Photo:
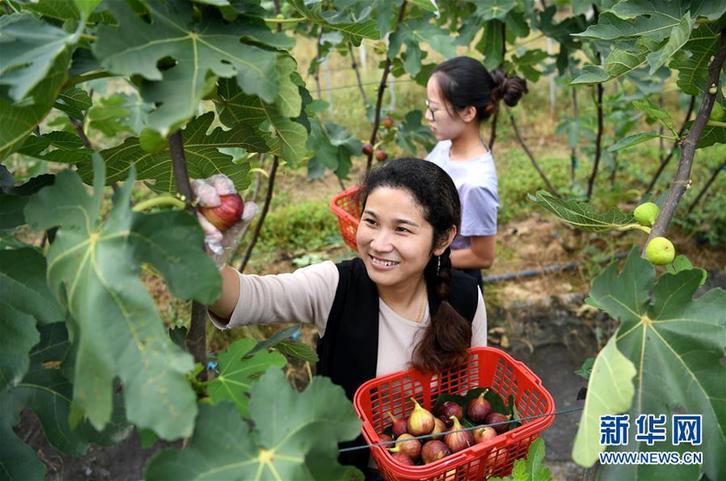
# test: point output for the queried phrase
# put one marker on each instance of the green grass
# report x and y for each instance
(517, 178)
(294, 227)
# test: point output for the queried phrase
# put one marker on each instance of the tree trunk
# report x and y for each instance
(683, 175)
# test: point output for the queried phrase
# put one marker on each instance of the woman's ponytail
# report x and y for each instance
(506, 88)
(448, 336)
(464, 82)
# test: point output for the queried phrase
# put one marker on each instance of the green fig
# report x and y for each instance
(660, 251)
(646, 213)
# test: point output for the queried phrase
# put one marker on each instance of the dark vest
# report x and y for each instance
(348, 352)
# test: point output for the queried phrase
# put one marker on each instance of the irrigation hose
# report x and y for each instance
(552, 268)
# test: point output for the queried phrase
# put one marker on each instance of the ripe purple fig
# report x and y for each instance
(402, 459)
(226, 214)
(381, 155)
(458, 439)
(448, 409)
(432, 451)
(439, 427)
(499, 421)
(398, 426)
(478, 409)
(420, 421)
(407, 445)
(367, 149)
(386, 440)
(484, 434)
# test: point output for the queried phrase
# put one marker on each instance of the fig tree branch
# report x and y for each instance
(382, 88)
(179, 166)
(706, 187)
(258, 179)
(573, 151)
(9, 7)
(661, 145)
(667, 159)
(280, 21)
(354, 65)
(78, 127)
(683, 174)
(86, 77)
(495, 118)
(598, 140)
(196, 340)
(598, 104)
(316, 73)
(159, 201)
(263, 214)
(536, 166)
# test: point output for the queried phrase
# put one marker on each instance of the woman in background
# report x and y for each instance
(461, 95)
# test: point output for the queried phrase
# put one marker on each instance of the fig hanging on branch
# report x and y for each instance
(227, 213)
(646, 213)
(218, 201)
(660, 251)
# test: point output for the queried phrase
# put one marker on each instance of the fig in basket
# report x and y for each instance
(478, 408)
(398, 425)
(432, 451)
(407, 445)
(421, 421)
(448, 409)
(402, 459)
(386, 440)
(458, 439)
(439, 427)
(499, 421)
(484, 434)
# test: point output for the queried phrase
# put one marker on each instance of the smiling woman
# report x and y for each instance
(398, 304)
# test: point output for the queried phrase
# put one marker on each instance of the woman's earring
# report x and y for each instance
(438, 264)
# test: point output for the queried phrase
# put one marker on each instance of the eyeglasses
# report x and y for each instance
(433, 112)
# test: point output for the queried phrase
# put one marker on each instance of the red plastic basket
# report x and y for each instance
(347, 208)
(487, 367)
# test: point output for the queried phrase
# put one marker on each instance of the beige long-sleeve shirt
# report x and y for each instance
(307, 295)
